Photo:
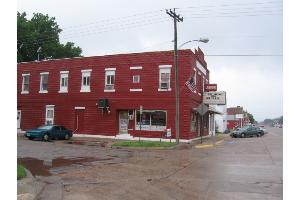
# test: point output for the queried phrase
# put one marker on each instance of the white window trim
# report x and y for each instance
(110, 69)
(86, 70)
(105, 84)
(133, 78)
(63, 89)
(43, 91)
(79, 108)
(136, 90)
(110, 90)
(23, 75)
(85, 88)
(136, 67)
(164, 90)
(165, 66)
(200, 67)
(48, 107)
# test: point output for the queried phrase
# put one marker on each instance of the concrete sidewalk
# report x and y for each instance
(29, 187)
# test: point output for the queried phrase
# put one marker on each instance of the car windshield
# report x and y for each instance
(245, 128)
(45, 127)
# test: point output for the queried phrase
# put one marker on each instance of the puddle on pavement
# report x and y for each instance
(41, 167)
(88, 143)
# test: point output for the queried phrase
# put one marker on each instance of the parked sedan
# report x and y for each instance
(247, 132)
(49, 132)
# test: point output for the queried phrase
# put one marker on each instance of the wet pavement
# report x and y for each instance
(239, 168)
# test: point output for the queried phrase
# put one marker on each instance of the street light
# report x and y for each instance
(204, 40)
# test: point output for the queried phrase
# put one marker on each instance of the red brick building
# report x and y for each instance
(102, 95)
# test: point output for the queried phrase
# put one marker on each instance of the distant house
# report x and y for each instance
(236, 117)
(102, 95)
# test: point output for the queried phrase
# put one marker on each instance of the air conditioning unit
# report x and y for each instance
(103, 103)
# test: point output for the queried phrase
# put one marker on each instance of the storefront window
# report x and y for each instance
(151, 120)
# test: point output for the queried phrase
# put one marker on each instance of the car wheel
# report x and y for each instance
(30, 138)
(67, 137)
(46, 137)
(258, 135)
(243, 135)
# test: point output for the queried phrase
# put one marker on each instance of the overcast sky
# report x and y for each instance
(234, 27)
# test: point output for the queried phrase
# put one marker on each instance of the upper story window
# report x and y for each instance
(86, 80)
(110, 74)
(136, 78)
(203, 84)
(25, 83)
(64, 76)
(164, 78)
(44, 82)
(195, 77)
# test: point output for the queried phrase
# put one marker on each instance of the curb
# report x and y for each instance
(200, 146)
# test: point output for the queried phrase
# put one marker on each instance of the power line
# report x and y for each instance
(122, 19)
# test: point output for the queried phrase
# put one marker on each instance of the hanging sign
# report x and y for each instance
(210, 87)
(214, 98)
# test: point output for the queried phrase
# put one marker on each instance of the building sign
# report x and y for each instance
(239, 116)
(214, 98)
(210, 87)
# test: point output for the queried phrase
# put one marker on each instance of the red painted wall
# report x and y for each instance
(33, 108)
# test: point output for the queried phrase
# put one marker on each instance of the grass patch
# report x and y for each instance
(21, 173)
(143, 144)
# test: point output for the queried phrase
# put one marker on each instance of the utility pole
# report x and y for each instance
(176, 18)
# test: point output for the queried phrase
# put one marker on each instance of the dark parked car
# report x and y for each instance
(48, 132)
(247, 132)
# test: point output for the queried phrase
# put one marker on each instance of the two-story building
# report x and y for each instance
(102, 95)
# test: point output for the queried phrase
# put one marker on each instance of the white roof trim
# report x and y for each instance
(110, 69)
(137, 67)
(164, 66)
(79, 108)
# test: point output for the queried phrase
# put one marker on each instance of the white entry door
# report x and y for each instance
(123, 122)
(19, 119)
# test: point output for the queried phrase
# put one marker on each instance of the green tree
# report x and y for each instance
(41, 32)
(251, 118)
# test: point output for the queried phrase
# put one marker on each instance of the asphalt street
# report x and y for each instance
(237, 168)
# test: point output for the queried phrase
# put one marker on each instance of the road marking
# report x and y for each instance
(219, 142)
(200, 146)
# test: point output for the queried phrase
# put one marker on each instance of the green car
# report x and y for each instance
(49, 132)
